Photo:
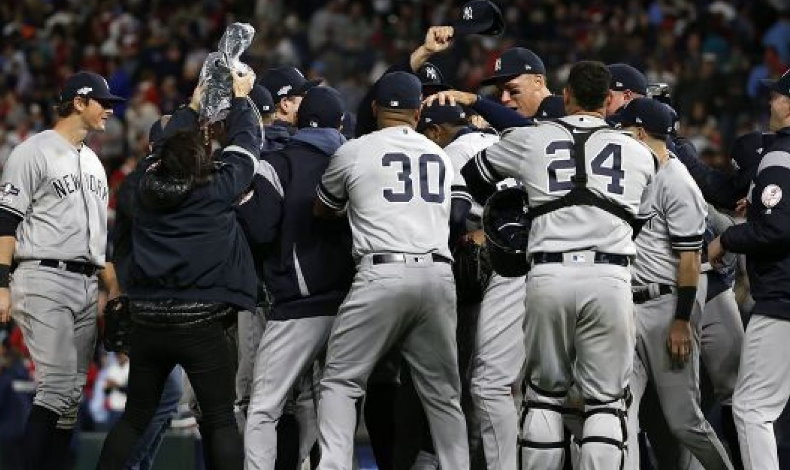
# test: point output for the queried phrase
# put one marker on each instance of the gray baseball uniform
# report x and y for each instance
(675, 223)
(498, 355)
(579, 323)
(395, 184)
(61, 194)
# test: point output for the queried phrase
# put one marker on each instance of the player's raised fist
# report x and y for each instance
(438, 38)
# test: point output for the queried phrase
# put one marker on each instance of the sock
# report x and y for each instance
(38, 438)
(731, 436)
(60, 457)
(287, 443)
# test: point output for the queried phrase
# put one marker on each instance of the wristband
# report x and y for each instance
(5, 275)
(686, 297)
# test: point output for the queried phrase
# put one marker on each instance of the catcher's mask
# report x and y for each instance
(506, 226)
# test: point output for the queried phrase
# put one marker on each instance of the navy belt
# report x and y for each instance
(383, 258)
(599, 258)
(642, 294)
(71, 266)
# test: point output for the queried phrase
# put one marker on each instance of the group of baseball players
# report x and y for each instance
(595, 338)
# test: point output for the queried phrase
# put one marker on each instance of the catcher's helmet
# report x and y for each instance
(506, 226)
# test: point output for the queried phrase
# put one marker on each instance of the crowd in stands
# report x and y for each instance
(712, 53)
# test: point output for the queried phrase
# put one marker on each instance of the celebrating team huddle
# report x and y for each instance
(549, 334)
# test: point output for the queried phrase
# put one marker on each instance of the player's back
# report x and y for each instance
(618, 169)
(399, 193)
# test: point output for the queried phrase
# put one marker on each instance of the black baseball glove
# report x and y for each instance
(472, 270)
(117, 325)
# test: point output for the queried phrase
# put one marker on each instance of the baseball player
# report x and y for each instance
(395, 185)
(666, 274)
(307, 267)
(628, 83)
(763, 385)
(584, 197)
(521, 76)
(498, 352)
(287, 85)
(53, 224)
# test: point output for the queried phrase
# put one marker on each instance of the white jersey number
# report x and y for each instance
(405, 192)
(614, 172)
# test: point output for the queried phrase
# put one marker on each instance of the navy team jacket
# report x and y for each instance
(765, 237)
(305, 262)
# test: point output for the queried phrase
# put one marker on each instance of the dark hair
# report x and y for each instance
(589, 83)
(65, 108)
(183, 155)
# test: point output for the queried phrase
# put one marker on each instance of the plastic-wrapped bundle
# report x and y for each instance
(215, 75)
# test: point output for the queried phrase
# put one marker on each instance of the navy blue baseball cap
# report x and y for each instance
(89, 85)
(781, 86)
(626, 77)
(286, 81)
(441, 114)
(399, 90)
(262, 98)
(552, 107)
(322, 106)
(431, 78)
(651, 115)
(514, 62)
(480, 17)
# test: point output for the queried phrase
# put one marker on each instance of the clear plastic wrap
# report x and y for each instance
(215, 74)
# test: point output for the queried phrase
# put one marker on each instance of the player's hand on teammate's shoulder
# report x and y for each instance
(478, 237)
(679, 342)
(5, 305)
(197, 95)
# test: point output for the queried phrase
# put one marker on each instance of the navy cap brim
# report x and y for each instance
(463, 28)
(109, 97)
(304, 88)
(495, 79)
(773, 85)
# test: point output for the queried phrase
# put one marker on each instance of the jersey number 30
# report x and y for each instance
(404, 177)
(614, 172)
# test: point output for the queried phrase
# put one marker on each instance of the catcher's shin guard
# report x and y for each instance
(541, 444)
(605, 434)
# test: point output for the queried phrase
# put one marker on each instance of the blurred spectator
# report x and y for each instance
(108, 399)
(14, 403)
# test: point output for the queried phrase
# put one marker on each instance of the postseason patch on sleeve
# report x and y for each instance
(7, 191)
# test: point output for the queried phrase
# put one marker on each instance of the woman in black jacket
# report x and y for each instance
(191, 271)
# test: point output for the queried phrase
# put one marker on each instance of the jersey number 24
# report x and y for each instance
(598, 166)
(406, 192)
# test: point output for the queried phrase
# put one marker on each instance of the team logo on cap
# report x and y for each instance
(527, 67)
(430, 72)
(284, 90)
(84, 90)
(467, 14)
(313, 124)
(771, 196)
(394, 104)
(618, 84)
(498, 65)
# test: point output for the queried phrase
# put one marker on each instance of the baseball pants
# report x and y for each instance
(250, 329)
(56, 310)
(677, 388)
(762, 390)
(721, 340)
(411, 305)
(286, 354)
(579, 327)
(496, 363)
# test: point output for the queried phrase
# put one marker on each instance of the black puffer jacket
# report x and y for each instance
(186, 242)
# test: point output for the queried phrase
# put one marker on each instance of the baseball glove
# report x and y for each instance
(472, 270)
(117, 325)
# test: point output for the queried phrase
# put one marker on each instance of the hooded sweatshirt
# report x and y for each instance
(305, 262)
